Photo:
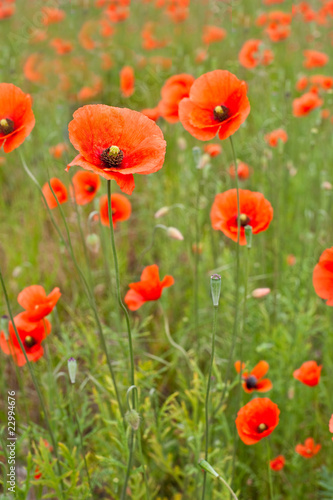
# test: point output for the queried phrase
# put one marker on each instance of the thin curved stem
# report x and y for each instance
(207, 398)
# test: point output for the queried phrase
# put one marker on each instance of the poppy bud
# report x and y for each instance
(248, 236)
(174, 233)
(93, 242)
(133, 419)
(208, 468)
(182, 144)
(161, 212)
(72, 366)
(215, 287)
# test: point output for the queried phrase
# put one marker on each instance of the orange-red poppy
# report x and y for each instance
(306, 103)
(243, 171)
(152, 113)
(6, 10)
(149, 288)
(252, 54)
(277, 31)
(16, 116)
(213, 34)
(255, 211)
(309, 449)
(173, 91)
(253, 380)
(31, 335)
(120, 206)
(330, 425)
(213, 149)
(277, 463)
(52, 15)
(322, 277)
(59, 190)
(217, 104)
(257, 419)
(314, 59)
(116, 143)
(308, 373)
(127, 81)
(275, 136)
(61, 46)
(86, 185)
(58, 150)
(36, 303)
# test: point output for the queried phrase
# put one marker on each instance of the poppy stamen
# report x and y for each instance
(6, 126)
(244, 220)
(251, 382)
(221, 113)
(112, 157)
(90, 189)
(262, 428)
(29, 341)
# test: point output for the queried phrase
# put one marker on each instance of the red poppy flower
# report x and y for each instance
(58, 150)
(173, 91)
(257, 419)
(116, 143)
(149, 288)
(254, 380)
(213, 34)
(61, 46)
(86, 185)
(308, 373)
(275, 136)
(127, 81)
(120, 206)
(306, 103)
(243, 171)
(255, 211)
(213, 150)
(60, 191)
(16, 117)
(330, 425)
(322, 277)
(217, 104)
(309, 449)
(252, 54)
(31, 335)
(152, 113)
(277, 463)
(314, 59)
(36, 303)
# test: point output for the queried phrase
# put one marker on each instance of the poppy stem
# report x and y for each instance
(235, 327)
(130, 342)
(89, 293)
(207, 398)
(269, 471)
(35, 382)
(81, 439)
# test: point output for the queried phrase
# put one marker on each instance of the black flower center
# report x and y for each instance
(112, 157)
(6, 126)
(244, 220)
(221, 113)
(251, 382)
(90, 189)
(29, 341)
(262, 428)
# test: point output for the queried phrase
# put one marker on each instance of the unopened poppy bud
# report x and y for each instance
(72, 366)
(248, 236)
(133, 419)
(93, 242)
(197, 156)
(182, 144)
(208, 468)
(204, 161)
(215, 287)
(161, 212)
(326, 185)
(174, 233)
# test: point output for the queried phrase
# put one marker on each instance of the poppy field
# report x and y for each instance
(183, 351)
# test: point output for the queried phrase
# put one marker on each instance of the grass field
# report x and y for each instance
(156, 390)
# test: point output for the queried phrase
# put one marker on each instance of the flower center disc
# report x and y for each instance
(29, 341)
(112, 157)
(244, 220)
(262, 428)
(251, 382)
(221, 113)
(6, 126)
